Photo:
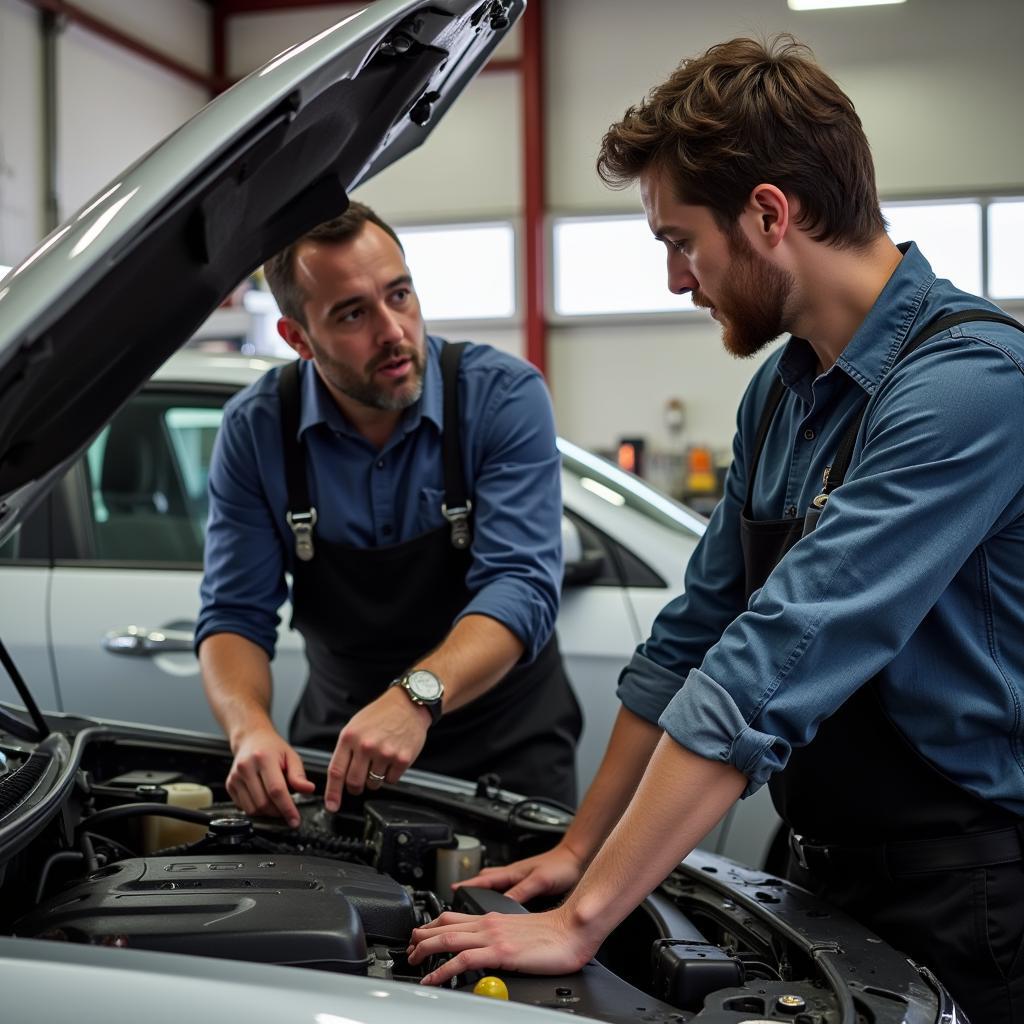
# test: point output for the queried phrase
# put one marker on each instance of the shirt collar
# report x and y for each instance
(872, 350)
(319, 407)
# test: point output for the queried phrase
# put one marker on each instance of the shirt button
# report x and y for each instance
(387, 531)
(808, 434)
(791, 511)
(380, 463)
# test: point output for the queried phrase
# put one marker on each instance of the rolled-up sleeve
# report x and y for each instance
(243, 581)
(713, 595)
(516, 570)
(938, 473)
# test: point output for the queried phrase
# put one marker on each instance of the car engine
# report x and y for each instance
(316, 896)
(102, 850)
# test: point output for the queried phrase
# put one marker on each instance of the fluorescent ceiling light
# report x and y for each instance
(821, 5)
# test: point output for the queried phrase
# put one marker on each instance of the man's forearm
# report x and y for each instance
(236, 677)
(630, 746)
(477, 653)
(680, 799)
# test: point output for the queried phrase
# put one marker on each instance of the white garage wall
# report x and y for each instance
(937, 86)
(615, 381)
(112, 107)
(21, 145)
(179, 28)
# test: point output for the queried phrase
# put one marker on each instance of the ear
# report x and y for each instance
(294, 335)
(770, 213)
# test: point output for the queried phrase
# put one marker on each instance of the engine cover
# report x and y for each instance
(267, 908)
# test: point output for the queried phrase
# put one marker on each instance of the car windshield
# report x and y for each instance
(616, 486)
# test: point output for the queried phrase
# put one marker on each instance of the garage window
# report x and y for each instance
(949, 234)
(608, 266)
(1006, 265)
(463, 271)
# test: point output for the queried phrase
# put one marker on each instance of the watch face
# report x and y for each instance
(425, 685)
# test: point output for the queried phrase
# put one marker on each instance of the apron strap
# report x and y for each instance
(301, 515)
(836, 473)
(778, 389)
(457, 505)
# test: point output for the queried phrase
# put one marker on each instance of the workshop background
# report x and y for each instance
(511, 236)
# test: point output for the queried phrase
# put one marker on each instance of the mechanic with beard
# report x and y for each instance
(411, 488)
(852, 628)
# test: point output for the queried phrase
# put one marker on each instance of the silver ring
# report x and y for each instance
(371, 774)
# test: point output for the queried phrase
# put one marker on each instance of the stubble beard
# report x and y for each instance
(752, 307)
(361, 386)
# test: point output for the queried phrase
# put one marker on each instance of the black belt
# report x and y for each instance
(913, 857)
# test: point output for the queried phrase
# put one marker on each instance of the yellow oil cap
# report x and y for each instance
(493, 988)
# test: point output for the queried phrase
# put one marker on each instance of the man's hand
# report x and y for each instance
(384, 738)
(682, 796)
(265, 771)
(547, 874)
(532, 943)
(236, 675)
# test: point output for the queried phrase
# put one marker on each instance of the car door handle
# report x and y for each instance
(145, 643)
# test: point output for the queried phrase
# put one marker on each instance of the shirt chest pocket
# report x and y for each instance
(429, 515)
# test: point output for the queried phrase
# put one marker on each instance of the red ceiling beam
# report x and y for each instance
(534, 198)
(503, 64)
(75, 15)
(229, 7)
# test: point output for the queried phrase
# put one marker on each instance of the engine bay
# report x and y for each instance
(128, 841)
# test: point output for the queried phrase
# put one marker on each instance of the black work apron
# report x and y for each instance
(368, 614)
(879, 830)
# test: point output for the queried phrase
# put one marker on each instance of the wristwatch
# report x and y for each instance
(424, 688)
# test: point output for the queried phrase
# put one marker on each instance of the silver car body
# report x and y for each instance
(114, 638)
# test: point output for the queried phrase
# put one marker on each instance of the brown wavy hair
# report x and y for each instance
(747, 112)
(279, 270)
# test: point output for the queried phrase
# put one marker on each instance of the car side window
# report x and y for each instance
(594, 559)
(29, 542)
(147, 474)
(9, 548)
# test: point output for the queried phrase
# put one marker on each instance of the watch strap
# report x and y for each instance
(433, 706)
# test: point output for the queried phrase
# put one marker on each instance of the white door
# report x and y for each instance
(24, 629)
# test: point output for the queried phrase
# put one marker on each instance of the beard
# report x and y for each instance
(363, 387)
(752, 304)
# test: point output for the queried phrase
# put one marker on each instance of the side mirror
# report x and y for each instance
(581, 566)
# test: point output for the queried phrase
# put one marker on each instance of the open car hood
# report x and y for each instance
(103, 301)
(104, 902)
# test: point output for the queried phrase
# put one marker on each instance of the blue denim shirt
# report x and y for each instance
(369, 498)
(915, 570)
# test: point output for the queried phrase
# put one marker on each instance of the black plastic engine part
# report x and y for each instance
(469, 899)
(593, 991)
(299, 911)
(789, 1002)
(684, 973)
(403, 837)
